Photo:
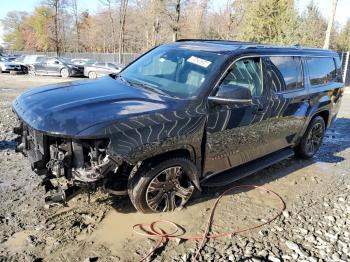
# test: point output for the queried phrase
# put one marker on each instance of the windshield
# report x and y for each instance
(175, 71)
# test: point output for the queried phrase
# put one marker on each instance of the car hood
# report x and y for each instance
(70, 108)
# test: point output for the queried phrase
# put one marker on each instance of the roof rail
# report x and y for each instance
(297, 46)
(214, 40)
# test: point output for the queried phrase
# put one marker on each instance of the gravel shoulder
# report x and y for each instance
(314, 227)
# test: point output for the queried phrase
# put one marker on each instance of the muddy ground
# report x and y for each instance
(314, 227)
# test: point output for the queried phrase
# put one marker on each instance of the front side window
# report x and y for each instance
(290, 68)
(246, 73)
(174, 70)
(321, 70)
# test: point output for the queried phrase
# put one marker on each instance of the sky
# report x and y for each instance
(342, 14)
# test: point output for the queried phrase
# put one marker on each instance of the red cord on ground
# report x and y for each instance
(154, 230)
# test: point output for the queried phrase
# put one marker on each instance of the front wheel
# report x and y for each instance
(162, 187)
(65, 73)
(312, 139)
(92, 75)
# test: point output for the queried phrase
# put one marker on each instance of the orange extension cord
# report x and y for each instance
(154, 230)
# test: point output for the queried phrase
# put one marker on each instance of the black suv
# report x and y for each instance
(178, 118)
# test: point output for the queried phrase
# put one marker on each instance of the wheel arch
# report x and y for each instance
(186, 151)
(324, 114)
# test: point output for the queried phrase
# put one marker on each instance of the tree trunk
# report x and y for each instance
(177, 20)
(330, 24)
(77, 31)
(56, 5)
(122, 14)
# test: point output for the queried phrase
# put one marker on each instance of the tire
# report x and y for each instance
(163, 186)
(312, 138)
(24, 70)
(92, 75)
(64, 73)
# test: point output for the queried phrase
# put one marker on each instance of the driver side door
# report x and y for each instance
(237, 129)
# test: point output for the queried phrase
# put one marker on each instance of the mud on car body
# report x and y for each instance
(178, 116)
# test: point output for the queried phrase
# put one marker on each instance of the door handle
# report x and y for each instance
(305, 100)
(258, 110)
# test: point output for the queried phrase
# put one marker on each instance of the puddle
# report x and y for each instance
(235, 211)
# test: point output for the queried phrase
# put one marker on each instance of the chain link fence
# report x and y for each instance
(125, 58)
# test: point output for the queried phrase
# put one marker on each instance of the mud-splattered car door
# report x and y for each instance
(237, 130)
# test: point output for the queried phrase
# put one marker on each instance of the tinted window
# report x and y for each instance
(321, 70)
(290, 68)
(246, 73)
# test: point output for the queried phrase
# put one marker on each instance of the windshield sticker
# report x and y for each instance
(199, 61)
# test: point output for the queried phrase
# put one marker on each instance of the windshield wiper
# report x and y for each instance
(123, 79)
(148, 86)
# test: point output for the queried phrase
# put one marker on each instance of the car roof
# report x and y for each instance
(229, 46)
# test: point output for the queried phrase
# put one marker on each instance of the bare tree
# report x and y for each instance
(57, 7)
(74, 4)
(122, 18)
(109, 5)
(176, 20)
(330, 24)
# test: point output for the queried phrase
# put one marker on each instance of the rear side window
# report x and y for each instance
(321, 70)
(291, 70)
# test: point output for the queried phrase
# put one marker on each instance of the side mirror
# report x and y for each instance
(234, 92)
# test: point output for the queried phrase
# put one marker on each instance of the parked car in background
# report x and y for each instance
(20, 60)
(56, 66)
(7, 66)
(100, 69)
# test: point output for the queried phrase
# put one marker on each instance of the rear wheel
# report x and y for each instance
(92, 75)
(65, 73)
(162, 187)
(312, 139)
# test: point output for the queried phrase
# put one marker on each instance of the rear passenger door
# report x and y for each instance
(290, 101)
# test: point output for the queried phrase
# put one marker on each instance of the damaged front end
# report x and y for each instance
(69, 165)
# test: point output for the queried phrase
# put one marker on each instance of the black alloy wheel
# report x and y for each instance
(312, 139)
(162, 187)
